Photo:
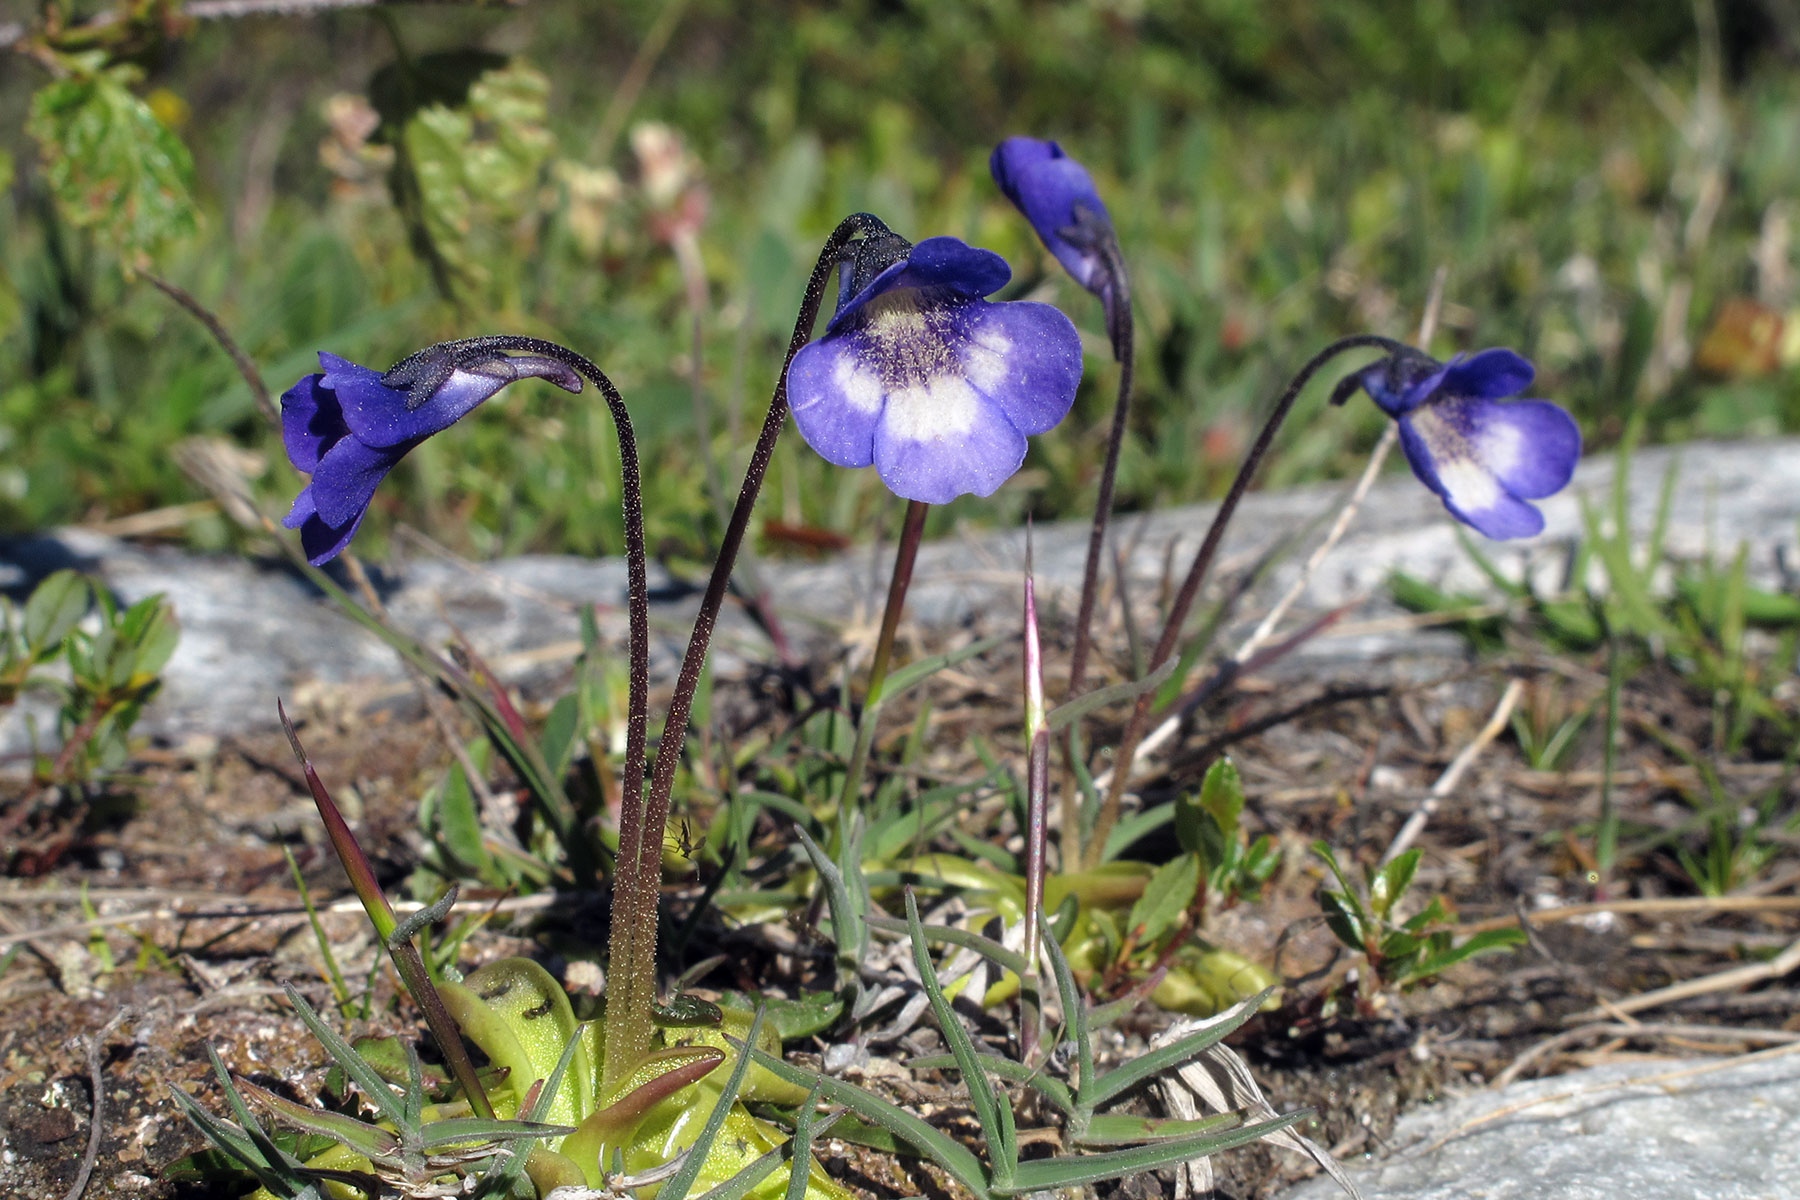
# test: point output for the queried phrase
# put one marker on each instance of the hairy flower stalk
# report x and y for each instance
(631, 961)
(1196, 576)
(905, 553)
(1058, 197)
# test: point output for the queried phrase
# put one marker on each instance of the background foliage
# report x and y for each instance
(1610, 188)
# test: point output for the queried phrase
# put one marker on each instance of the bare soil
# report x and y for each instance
(184, 864)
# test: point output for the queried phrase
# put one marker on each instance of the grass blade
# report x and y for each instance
(1075, 1026)
(1174, 1054)
(1073, 710)
(682, 1181)
(993, 1113)
(804, 1130)
(1053, 1090)
(1074, 1170)
(916, 673)
(932, 1143)
(342, 1053)
(987, 947)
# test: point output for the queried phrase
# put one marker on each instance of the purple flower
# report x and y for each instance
(347, 429)
(1483, 455)
(1058, 197)
(935, 386)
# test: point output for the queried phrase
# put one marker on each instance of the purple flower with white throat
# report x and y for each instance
(1485, 456)
(921, 377)
(1058, 197)
(348, 425)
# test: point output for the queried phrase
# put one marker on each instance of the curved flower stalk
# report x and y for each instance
(920, 377)
(1483, 455)
(348, 426)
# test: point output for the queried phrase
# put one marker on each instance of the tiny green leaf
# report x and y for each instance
(559, 740)
(1166, 897)
(1390, 883)
(1479, 943)
(55, 606)
(1222, 796)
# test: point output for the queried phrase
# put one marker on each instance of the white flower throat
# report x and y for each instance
(921, 358)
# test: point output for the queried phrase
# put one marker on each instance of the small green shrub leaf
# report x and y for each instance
(114, 168)
(55, 606)
(1166, 897)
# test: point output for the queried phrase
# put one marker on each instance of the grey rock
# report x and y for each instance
(255, 630)
(1637, 1131)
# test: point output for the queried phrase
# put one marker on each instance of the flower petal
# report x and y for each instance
(1531, 446)
(377, 415)
(1053, 191)
(311, 422)
(1016, 155)
(1488, 375)
(1024, 357)
(303, 511)
(320, 541)
(939, 439)
(936, 262)
(1447, 454)
(347, 477)
(836, 398)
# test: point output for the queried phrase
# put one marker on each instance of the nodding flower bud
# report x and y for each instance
(348, 425)
(1058, 197)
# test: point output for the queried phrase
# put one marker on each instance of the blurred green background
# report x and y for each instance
(1611, 189)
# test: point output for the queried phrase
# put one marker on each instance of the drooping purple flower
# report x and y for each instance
(1485, 456)
(936, 387)
(347, 429)
(1058, 197)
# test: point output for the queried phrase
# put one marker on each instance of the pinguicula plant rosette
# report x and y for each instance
(920, 374)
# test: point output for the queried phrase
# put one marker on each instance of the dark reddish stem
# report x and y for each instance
(1196, 576)
(912, 532)
(1090, 575)
(632, 955)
